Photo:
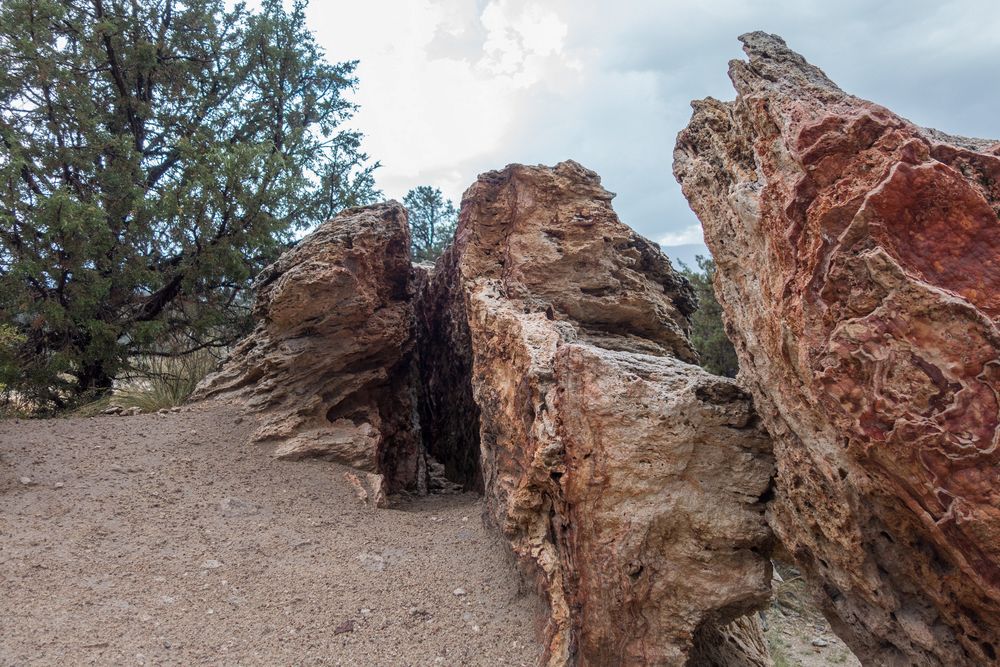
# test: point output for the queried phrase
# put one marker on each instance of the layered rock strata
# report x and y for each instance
(329, 367)
(628, 482)
(858, 265)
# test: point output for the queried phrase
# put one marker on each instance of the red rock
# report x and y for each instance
(627, 481)
(859, 268)
(329, 365)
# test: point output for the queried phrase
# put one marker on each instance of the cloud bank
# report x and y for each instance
(451, 88)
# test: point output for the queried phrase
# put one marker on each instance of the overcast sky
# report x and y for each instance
(452, 88)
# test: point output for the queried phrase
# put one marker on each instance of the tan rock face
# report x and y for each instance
(627, 481)
(329, 366)
(859, 269)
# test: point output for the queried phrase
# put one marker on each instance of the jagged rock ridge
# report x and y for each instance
(329, 366)
(859, 268)
(627, 481)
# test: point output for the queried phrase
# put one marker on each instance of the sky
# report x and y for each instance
(452, 88)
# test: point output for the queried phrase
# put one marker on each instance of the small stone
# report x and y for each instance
(819, 641)
(234, 506)
(371, 561)
(238, 420)
(26, 481)
(346, 626)
(211, 564)
(59, 485)
(458, 592)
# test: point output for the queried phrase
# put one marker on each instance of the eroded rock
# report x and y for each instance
(859, 268)
(329, 366)
(627, 481)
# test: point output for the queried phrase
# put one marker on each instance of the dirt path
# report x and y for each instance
(163, 539)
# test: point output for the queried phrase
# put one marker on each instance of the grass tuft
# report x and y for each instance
(163, 382)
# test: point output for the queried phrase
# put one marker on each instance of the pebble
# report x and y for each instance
(59, 485)
(819, 641)
(211, 564)
(26, 481)
(234, 506)
(458, 592)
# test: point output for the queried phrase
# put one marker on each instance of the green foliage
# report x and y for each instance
(708, 332)
(432, 222)
(154, 156)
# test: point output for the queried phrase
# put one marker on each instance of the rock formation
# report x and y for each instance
(628, 482)
(329, 365)
(859, 268)
(544, 360)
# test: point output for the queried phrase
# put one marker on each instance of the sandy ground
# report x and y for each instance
(164, 539)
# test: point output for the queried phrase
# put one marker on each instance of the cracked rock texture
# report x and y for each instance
(859, 268)
(629, 483)
(329, 365)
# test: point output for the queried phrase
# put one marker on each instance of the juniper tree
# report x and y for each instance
(432, 222)
(708, 331)
(154, 155)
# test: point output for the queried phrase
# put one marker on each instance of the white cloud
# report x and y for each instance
(687, 236)
(451, 88)
(427, 112)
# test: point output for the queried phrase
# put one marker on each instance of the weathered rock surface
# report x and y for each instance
(859, 268)
(628, 482)
(329, 366)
